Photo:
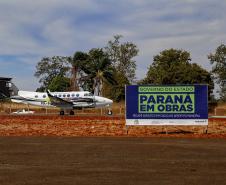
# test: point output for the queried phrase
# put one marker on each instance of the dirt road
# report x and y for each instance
(61, 160)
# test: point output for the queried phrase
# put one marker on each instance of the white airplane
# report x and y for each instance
(65, 100)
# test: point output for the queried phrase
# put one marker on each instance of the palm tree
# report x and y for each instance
(100, 70)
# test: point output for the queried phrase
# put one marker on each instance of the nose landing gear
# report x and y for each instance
(71, 112)
(109, 112)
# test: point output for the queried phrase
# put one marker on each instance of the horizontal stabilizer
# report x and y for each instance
(2, 96)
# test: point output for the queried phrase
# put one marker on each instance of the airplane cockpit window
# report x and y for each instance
(68, 95)
(44, 96)
(36, 96)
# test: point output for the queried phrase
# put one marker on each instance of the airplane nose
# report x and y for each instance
(106, 101)
(109, 101)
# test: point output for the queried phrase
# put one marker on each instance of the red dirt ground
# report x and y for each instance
(37, 125)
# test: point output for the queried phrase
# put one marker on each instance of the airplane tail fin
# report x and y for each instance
(48, 91)
(13, 90)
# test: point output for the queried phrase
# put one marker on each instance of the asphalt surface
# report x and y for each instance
(104, 160)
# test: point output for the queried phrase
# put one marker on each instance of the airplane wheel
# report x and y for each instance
(62, 112)
(72, 112)
(110, 112)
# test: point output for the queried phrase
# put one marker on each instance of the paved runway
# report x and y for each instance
(104, 160)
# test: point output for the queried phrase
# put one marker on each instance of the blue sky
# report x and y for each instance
(30, 30)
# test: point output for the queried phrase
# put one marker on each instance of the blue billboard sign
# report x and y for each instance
(167, 105)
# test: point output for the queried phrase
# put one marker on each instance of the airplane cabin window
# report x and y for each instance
(68, 95)
(64, 95)
(88, 94)
(77, 95)
(59, 95)
(44, 96)
(36, 96)
(73, 95)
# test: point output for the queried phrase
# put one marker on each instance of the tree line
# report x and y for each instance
(105, 71)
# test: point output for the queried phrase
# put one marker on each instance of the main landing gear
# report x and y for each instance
(61, 112)
(71, 112)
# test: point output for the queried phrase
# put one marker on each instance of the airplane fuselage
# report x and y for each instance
(67, 100)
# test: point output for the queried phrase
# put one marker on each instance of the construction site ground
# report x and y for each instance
(96, 125)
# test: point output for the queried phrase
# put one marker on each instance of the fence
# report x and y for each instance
(8, 108)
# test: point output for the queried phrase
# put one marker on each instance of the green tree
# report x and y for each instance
(122, 56)
(79, 64)
(173, 67)
(116, 91)
(49, 68)
(168, 67)
(218, 60)
(59, 84)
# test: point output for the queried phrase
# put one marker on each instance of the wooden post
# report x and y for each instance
(4, 107)
(1, 107)
(127, 130)
(10, 108)
(166, 130)
(206, 129)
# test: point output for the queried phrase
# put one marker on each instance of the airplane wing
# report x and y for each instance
(79, 100)
(59, 102)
